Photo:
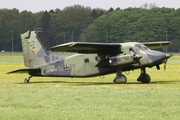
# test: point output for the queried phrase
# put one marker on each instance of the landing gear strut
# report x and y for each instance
(120, 78)
(143, 77)
(26, 80)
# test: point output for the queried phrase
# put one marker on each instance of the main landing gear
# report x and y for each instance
(143, 77)
(121, 79)
(26, 80)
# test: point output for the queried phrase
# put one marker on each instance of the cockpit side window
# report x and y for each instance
(142, 47)
(132, 52)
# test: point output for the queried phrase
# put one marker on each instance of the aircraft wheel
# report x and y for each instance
(26, 80)
(120, 79)
(145, 78)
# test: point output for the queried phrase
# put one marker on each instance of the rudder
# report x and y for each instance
(34, 52)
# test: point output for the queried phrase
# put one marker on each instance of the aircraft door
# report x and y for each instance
(90, 62)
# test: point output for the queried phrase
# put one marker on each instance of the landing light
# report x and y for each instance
(110, 61)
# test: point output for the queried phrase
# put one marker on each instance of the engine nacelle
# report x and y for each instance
(121, 60)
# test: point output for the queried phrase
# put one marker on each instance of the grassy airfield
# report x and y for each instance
(89, 98)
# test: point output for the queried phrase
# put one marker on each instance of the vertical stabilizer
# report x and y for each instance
(34, 52)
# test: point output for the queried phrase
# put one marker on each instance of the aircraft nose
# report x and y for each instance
(158, 57)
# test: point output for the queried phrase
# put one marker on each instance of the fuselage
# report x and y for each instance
(85, 65)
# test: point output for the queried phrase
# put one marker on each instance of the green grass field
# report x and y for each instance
(89, 98)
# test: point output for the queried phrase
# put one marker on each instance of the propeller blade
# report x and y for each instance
(164, 66)
(165, 61)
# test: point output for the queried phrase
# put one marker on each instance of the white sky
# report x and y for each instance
(42, 5)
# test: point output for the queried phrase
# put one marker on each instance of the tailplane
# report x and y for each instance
(34, 52)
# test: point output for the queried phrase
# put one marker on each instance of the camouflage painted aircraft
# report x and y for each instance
(91, 59)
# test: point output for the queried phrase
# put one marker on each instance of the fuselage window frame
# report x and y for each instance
(86, 60)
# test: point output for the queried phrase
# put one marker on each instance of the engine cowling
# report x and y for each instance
(120, 60)
(123, 60)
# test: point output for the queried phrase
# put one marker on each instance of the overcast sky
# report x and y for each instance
(42, 5)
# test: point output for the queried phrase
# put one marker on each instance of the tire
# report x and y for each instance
(120, 79)
(145, 78)
(26, 80)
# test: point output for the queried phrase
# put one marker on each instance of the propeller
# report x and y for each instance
(165, 61)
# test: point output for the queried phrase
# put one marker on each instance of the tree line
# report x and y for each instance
(79, 23)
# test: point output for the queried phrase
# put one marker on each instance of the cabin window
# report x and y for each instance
(97, 58)
(141, 47)
(86, 60)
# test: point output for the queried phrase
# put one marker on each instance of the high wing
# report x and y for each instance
(88, 47)
(155, 45)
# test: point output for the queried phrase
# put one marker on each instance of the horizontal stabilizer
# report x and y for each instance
(25, 70)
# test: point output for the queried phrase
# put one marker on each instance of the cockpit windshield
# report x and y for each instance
(141, 47)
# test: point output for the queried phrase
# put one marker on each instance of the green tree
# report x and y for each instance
(72, 21)
(26, 21)
(89, 34)
(45, 25)
(8, 25)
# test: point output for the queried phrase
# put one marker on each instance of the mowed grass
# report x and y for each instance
(89, 98)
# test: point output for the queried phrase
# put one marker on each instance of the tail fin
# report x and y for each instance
(34, 52)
